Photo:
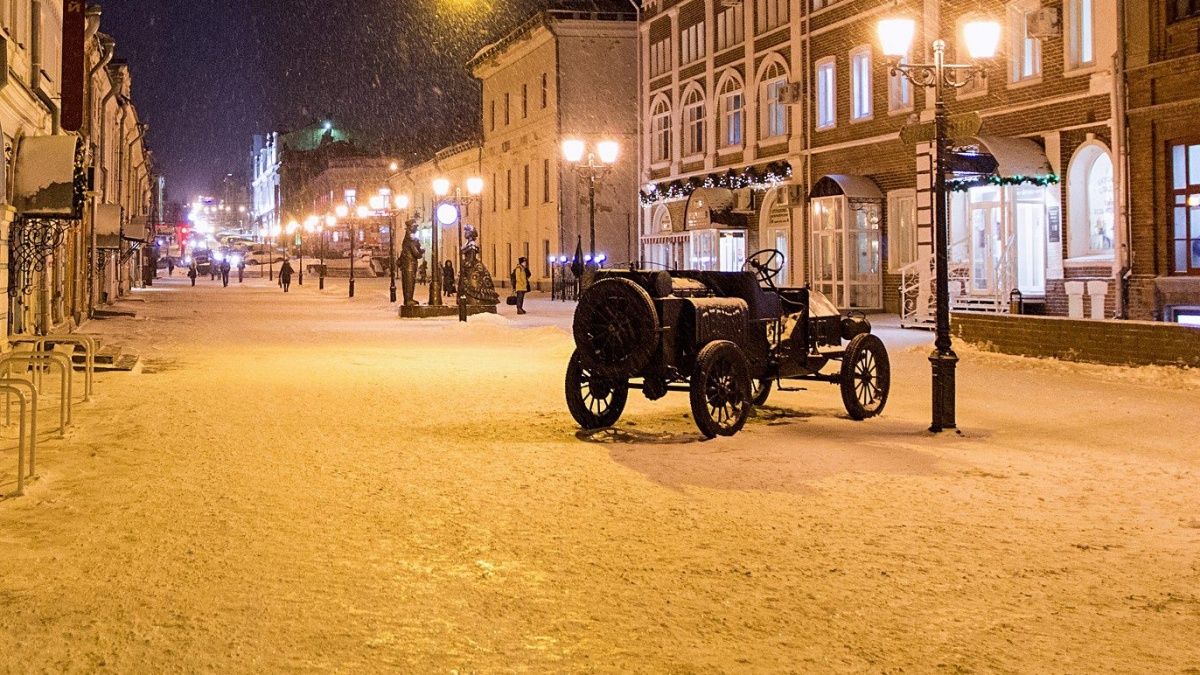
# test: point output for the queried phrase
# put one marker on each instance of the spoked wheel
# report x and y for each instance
(760, 390)
(866, 377)
(720, 389)
(595, 402)
(615, 327)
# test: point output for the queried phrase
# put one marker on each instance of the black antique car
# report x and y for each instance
(724, 337)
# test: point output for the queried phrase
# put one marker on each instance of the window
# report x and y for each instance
(901, 229)
(524, 101)
(769, 14)
(350, 196)
(731, 27)
(494, 192)
(693, 123)
(826, 93)
(546, 181)
(508, 189)
(732, 105)
(861, 103)
(1025, 52)
(900, 98)
(774, 113)
(545, 90)
(507, 119)
(1080, 42)
(492, 116)
(1185, 195)
(660, 57)
(525, 187)
(692, 43)
(662, 219)
(660, 131)
(1182, 9)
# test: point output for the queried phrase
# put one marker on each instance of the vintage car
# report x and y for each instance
(724, 337)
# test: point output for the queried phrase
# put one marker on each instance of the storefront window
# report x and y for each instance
(1185, 196)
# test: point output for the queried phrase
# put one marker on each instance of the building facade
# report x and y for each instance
(561, 74)
(1162, 60)
(777, 124)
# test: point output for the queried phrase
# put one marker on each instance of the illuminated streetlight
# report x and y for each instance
(981, 37)
(342, 210)
(402, 202)
(441, 186)
(475, 186)
(592, 171)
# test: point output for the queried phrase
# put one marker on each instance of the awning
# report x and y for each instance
(136, 229)
(851, 187)
(1016, 156)
(667, 238)
(107, 220)
(712, 206)
(44, 179)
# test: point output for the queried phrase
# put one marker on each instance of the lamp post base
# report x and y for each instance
(943, 365)
(321, 285)
(392, 292)
(352, 287)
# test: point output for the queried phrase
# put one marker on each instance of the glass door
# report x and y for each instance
(732, 251)
(865, 279)
(777, 238)
(1030, 241)
(986, 245)
(828, 232)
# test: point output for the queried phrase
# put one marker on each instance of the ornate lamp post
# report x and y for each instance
(593, 171)
(401, 206)
(449, 212)
(330, 223)
(982, 37)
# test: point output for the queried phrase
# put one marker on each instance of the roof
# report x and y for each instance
(569, 10)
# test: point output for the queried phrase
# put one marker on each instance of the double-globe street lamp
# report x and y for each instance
(981, 37)
(598, 164)
(449, 211)
(382, 206)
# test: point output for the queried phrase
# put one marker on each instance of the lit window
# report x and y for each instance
(774, 112)
(1185, 196)
(693, 123)
(350, 197)
(826, 93)
(732, 105)
(660, 130)
(1081, 45)
(1025, 52)
(899, 91)
(861, 103)
(692, 43)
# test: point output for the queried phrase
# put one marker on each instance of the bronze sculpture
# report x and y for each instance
(474, 279)
(411, 254)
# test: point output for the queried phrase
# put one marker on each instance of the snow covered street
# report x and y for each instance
(303, 482)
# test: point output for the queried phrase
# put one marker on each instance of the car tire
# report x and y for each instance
(866, 377)
(596, 402)
(616, 328)
(720, 389)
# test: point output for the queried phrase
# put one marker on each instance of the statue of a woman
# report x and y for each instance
(475, 280)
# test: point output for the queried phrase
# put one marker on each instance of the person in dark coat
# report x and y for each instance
(192, 273)
(170, 266)
(448, 279)
(241, 269)
(285, 275)
(225, 267)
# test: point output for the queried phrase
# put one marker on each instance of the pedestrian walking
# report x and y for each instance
(520, 277)
(212, 269)
(241, 269)
(192, 273)
(225, 272)
(448, 279)
(170, 266)
(285, 275)
(423, 272)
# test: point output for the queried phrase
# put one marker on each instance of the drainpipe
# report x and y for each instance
(36, 75)
(135, 185)
(1121, 132)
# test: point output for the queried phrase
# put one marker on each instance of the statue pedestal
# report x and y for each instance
(432, 311)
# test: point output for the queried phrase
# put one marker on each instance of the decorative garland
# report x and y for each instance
(750, 177)
(965, 184)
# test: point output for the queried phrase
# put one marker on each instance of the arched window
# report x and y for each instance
(693, 123)
(1092, 202)
(660, 131)
(662, 219)
(774, 114)
(732, 106)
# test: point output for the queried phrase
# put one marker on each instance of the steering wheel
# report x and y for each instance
(766, 265)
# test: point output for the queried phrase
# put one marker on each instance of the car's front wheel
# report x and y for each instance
(720, 389)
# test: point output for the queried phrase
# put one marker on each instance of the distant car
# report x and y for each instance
(260, 255)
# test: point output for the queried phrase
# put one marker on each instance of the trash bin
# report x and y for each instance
(1016, 302)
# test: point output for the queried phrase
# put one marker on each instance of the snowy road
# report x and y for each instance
(305, 483)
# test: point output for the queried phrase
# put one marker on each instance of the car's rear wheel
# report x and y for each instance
(720, 389)
(866, 377)
(595, 401)
(760, 390)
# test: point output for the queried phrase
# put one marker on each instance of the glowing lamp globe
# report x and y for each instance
(896, 36)
(982, 37)
(402, 201)
(330, 221)
(573, 150)
(342, 210)
(475, 186)
(363, 212)
(447, 214)
(608, 151)
(441, 186)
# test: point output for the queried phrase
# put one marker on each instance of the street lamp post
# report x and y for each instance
(981, 38)
(450, 211)
(401, 207)
(330, 223)
(592, 171)
(292, 228)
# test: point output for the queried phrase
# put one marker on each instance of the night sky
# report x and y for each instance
(208, 74)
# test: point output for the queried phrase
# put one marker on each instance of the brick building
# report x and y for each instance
(1162, 63)
(776, 124)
